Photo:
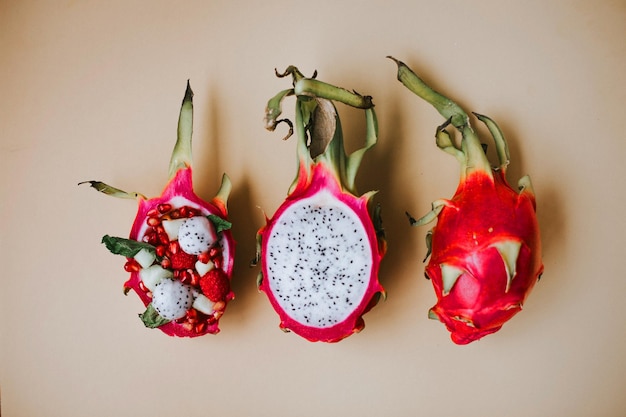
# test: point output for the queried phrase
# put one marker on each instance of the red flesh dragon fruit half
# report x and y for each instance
(320, 252)
(180, 249)
(485, 250)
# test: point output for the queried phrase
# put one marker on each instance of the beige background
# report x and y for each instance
(91, 90)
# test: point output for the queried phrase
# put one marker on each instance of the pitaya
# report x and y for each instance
(485, 250)
(175, 240)
(320, 252)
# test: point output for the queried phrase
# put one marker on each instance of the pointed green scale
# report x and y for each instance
(509, 251)
(449, 275)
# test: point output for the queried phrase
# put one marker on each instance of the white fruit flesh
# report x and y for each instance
(319, 260)
(145, 258)
(203, 268)
(152, 275)
(203, 304)
(171, 227)
(171, 299)
(196, 235)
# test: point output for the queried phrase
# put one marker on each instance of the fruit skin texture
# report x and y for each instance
(328, 171)
(178, 193)
(485, 250)
(482, 214)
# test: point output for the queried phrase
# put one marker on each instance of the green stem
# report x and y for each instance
(354, 160)
(318, 127)
(314, 88)
(181, 155)
(502, 149)
(446, 107)
(475, 158)
(224, 191)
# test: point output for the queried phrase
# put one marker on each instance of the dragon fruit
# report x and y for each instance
(175, 240)
(320, 252)
(485, 250)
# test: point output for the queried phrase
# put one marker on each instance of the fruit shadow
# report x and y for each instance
(244, 232)
(382, 170)
(551, 213)
(241, 211)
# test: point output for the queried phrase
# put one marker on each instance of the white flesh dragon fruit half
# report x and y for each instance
(319, 260)
(320, 252)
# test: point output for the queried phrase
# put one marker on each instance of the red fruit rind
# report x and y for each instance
(485, 212)
(485, 250)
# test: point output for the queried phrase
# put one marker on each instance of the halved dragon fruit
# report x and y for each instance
(485, 250)
(320, 252)
(175, 240)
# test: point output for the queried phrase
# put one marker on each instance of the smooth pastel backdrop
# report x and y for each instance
(91, 90)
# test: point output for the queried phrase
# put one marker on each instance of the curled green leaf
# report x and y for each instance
(125, 247)
(219, 223)
(151, 319)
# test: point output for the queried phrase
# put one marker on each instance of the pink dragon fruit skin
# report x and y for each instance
(478, 234)
(485, 250)
(324, 180)
(178, 196)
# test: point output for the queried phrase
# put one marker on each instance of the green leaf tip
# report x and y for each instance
(449, 276)
(219, 223)
(181, 154)
(509, 250)
(112, 191)
(188, 94)
(446, 107)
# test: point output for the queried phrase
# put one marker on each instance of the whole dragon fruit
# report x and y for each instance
(176, 243)
(485, 250)
(321, 250)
